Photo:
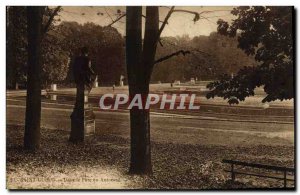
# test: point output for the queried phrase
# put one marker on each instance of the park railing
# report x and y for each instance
(284, 170)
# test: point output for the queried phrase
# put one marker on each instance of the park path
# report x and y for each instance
(172, 127)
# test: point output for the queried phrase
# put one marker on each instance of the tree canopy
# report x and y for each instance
(16, 45)
(105, 44)
(210, 56)
(54, 58)
(267, 34)
(60, 44)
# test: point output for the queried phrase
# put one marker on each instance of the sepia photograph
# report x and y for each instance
(150, 97)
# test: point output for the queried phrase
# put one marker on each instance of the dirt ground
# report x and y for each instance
(187, 148)
(103, 161)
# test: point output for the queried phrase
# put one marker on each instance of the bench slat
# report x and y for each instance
(259, 175)
(269, 167)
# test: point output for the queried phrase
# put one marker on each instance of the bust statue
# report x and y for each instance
(84, 78)
(82, 70)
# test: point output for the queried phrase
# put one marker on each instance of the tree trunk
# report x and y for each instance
(77, 116)
(150, 40)
(140, 142)
(140, 162)
(33, 99)
(139, 65)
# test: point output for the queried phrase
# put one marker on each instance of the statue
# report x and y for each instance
(121, 80)
(82, 114)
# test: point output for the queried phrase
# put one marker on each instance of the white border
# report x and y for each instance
(3, 3)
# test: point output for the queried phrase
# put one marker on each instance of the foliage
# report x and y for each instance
(106, 48)
(60, 44)
(54, 59)
(210, 57)
(16, 45)
(266, 34)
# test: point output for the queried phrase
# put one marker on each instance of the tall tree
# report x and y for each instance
(35, 32)
(139, 119)
(267, 34)
(140, 60)
(33, 99)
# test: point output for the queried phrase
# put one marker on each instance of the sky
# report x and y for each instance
(179, 23)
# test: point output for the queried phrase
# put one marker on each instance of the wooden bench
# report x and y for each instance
(284, 171)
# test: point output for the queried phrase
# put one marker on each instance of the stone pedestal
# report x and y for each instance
(121, 83)
(82, 118)
(53, 87)
(96, 82)
(89, 120)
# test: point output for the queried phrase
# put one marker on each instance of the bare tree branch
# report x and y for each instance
(51, 19)
(116, 20)
(183, 52)
(202, 52)
(190, 49)
(197, 15)
(165, 7)
(211, 11)
(172, 10)
(159, 20)
(159, 41)
(165, 21)
(219, 16)
(108, 14)
(186, 11)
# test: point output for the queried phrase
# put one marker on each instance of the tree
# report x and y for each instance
(267, 34)
(16, 46)
(36, 31)
(33, 99)
(210, 56)
(175, 67)
(224, 56)
(140, 60)
(106, 48)
(137, 62)
(55, 60)
(109, 61)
